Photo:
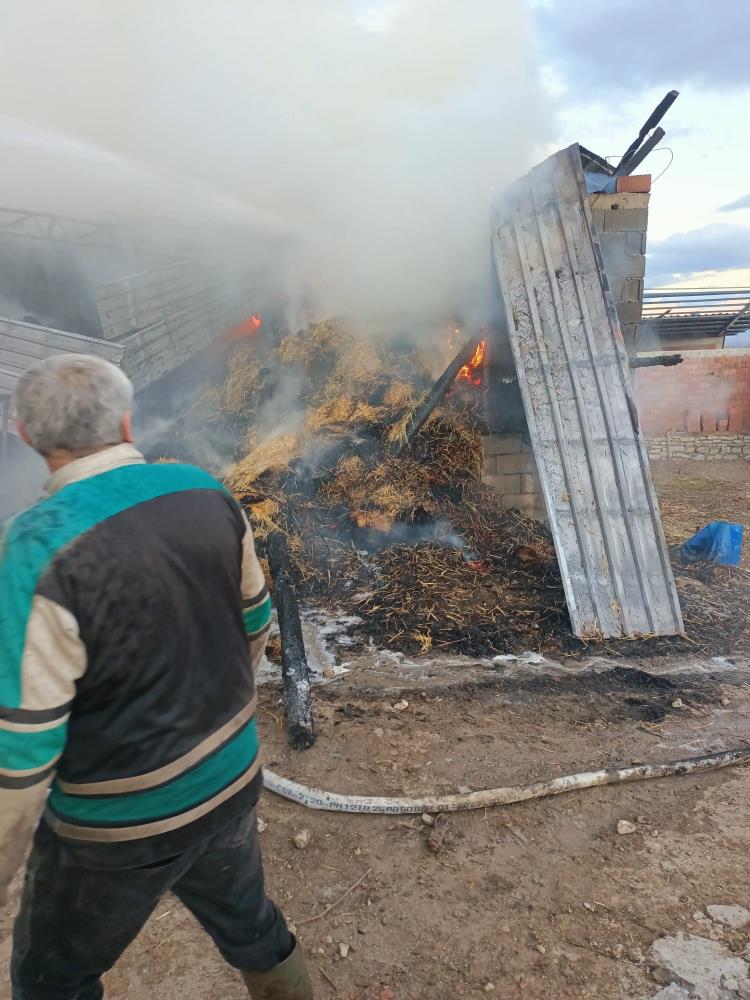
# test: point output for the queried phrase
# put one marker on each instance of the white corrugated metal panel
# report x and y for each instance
(148, 297)
(164, 317)
(24, 344)
(573, 373)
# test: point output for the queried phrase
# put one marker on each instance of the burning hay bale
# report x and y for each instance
(344, 412)
(408, 539)
(391, 490)
(454, 446)
(399, 396)
(244, 382)
(396, 434)
(392, 537)
(275, 453)
(317, 349)
(263, 514)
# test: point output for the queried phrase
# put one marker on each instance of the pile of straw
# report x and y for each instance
(416, 545)
(275, 453)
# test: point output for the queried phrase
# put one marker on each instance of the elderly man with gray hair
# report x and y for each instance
(133, 612)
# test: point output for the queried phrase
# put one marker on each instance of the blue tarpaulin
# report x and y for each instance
(719, 542)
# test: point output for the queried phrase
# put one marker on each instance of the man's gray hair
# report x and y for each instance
(73, 402)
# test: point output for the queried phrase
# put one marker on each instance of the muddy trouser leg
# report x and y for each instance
(224, 890)
(75, 921)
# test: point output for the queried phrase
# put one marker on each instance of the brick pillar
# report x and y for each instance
(510, 468)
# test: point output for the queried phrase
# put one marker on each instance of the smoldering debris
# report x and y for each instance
(413, 545)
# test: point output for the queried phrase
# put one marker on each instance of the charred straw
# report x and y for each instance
(414, 544)
(424, 411)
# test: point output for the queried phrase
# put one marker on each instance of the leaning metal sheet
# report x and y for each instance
(574, 378)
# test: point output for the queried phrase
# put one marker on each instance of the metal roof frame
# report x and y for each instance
(51, 228)
(695, 312)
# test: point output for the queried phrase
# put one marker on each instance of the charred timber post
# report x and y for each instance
(439, 389)
(295, 671)
(661, 359)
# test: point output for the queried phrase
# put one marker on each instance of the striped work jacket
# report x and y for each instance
(127, 598)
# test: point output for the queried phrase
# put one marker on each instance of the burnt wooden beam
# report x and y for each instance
(667, 360)
(435, 395)
(651, 122)
(640, 155)
(297, 696)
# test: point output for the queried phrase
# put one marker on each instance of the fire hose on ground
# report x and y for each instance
(315, 798)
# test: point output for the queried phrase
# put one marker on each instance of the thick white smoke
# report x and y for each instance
(375, 134)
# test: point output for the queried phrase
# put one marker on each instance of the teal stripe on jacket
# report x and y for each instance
(30, 751)
(36, 536)
(180, 795)
(257, 618)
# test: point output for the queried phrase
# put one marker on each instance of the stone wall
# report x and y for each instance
(715, 447)
(509, 467)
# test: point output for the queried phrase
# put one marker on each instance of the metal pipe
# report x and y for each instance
(651, 122)
(638, 157)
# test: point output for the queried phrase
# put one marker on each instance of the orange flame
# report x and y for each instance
(470, 372)
(244, 329)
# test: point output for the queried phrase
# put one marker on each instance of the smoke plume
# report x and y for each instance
(371, 136)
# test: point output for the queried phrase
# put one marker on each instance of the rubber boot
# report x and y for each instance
(288, 981)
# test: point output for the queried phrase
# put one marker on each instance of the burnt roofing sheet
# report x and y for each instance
(574, 377)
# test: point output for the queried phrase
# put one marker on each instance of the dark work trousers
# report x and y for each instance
(76, 920)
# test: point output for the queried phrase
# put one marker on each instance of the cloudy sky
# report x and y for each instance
(606, 65)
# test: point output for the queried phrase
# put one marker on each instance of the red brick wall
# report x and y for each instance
(709, 391)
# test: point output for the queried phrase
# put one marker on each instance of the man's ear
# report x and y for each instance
(126, 428)
(22, 433)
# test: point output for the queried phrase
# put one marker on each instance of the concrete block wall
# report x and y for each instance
(510, 467)
(621, 220)
(708, 393)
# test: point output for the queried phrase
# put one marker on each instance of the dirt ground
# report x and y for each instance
(537, 900)
(693, 493)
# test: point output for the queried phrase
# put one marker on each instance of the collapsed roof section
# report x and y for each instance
(573, 373)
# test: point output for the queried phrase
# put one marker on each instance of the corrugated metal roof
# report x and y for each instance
(24, 344)
(165, 316)
(574, 377)
(694, 312)
(592, 161)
